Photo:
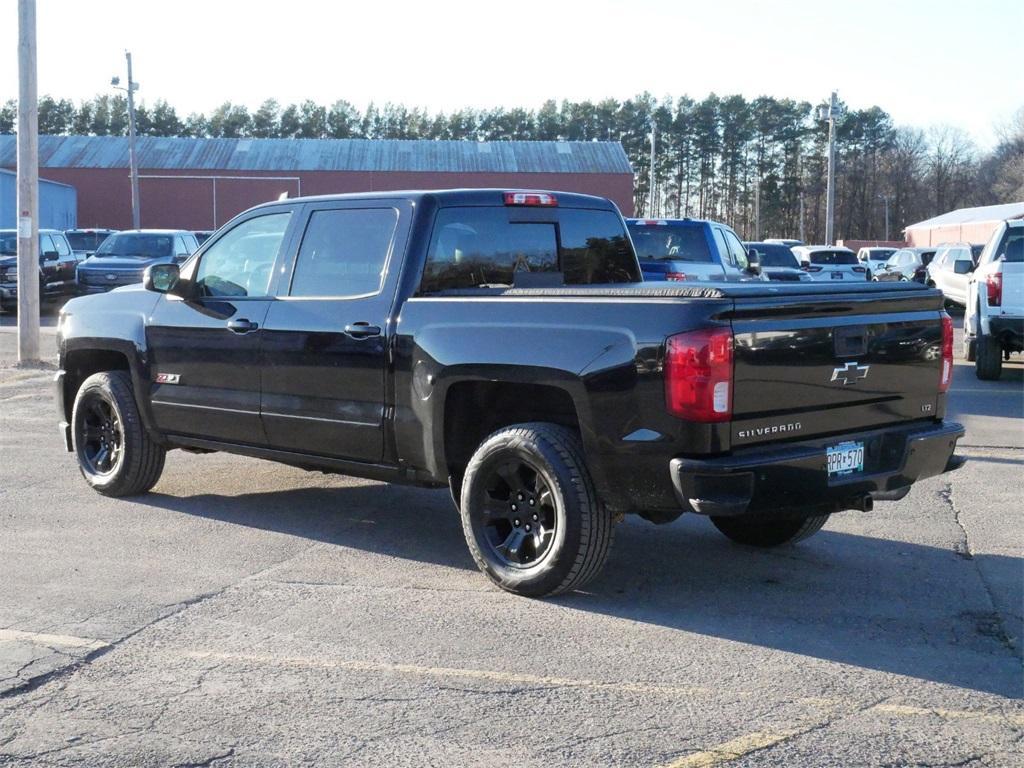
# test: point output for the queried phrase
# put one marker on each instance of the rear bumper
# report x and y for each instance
(793, 478)
(1007, 329)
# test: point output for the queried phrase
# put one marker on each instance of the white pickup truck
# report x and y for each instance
(994, 319)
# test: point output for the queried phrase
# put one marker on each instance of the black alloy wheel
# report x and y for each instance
(99, 433)
(519, 516)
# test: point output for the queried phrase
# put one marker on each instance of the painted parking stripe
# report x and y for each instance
(451, 672)
(50, 641)
(737, 748)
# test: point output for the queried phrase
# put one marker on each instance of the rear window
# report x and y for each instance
(86, 241)
(833, 257)
(482, 247)
(775, 255)
(670, 242)
(881, 255)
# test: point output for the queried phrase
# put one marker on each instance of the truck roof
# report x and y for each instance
(458, 197)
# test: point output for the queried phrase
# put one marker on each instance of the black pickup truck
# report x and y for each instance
(503, 344)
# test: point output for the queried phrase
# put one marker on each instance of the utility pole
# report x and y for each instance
(28, 186)
(831, 113)
(757, 211)
(650, 206)
(133, 162)
(885, 199)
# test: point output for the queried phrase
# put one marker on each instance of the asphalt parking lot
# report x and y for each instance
(246, 613)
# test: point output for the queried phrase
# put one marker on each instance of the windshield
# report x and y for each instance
(775, 255)
(9, 243)
(881, 255)
(138, 246)
(670, 242)
(85, 241)
(833, 257)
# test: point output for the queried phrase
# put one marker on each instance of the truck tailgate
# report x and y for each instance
(824, 364)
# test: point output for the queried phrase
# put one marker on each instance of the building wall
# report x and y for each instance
(58, 206)
(206, 199)
(976, 233)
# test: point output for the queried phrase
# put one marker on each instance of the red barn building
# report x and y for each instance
(201, 183)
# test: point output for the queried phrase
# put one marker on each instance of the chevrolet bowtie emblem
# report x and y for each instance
(850, 373)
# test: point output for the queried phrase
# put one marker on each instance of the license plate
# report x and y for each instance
(845, 458)
(837, 275)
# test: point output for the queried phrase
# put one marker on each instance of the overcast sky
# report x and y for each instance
(926, 62)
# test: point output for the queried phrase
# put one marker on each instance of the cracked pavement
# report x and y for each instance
(253, 614)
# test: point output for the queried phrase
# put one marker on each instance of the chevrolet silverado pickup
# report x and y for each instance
(503, 345)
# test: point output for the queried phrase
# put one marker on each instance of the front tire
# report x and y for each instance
(988, 362)
(116, 455)
(760, 531)
(530, 513)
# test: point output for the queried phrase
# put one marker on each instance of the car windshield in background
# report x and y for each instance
(833, 257)
(481, 247)
(85, 241)
(9, 243)
(773, 255)
(881, 255)
(137, 246)
(670, 242)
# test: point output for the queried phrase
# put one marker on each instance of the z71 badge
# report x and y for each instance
(167, 378)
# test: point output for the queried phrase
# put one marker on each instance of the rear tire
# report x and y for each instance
(988, 363)
(530, 513)
(116, 455)
(760, 531)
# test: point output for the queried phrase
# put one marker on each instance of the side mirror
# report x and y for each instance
(753, 257)
(963, 267)
(50, 256)
(161, 278)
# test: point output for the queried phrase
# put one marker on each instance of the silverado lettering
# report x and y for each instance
(772, 430)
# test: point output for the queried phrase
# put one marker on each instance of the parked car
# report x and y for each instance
(202, 235)
(994, 319)
(84, 242)
(874, 258)
(777, 262)
(123, 257)
(689, 249)
(783, 241)
(503, 344)
(57, 264)
(906, 264)
(950, 271)
(830, 263)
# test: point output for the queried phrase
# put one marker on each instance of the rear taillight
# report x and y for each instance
(530, 198)
(947, 353)
(809, 268)
(859, 269)
(698, 375)
(675, 276)
(994, 282)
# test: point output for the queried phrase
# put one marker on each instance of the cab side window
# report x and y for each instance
(242, 261)
(344, 252)
(737, 254)
(723, 247)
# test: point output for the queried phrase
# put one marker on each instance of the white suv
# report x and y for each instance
(950, 271)
(994, 320)
(830, 264)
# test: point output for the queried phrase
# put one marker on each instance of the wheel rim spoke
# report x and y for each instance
(512, 546)
(516, 514)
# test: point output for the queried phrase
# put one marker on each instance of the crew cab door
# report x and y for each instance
(325, 339)
(205, 350)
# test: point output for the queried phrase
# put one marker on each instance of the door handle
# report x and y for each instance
(242, 325)
(362, 330)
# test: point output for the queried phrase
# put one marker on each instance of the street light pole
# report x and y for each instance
(830, 198)
(650, 204)
(133, 162)
(28, 186)
(885, 199)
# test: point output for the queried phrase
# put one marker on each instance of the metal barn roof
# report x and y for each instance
(328, 155)
(983, 214)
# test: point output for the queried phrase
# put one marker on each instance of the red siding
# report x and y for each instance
(104, 194)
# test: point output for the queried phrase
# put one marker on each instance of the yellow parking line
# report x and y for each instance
(455, 672)
(735, 749)
(903, 710)
(50, 641)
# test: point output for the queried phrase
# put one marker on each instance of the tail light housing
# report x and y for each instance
(677, 276)
(698, 375)
(810, 268)
(860, 269)
(994, 285)
(947, 353)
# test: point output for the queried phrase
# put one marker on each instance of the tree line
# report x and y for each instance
(758, 164)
